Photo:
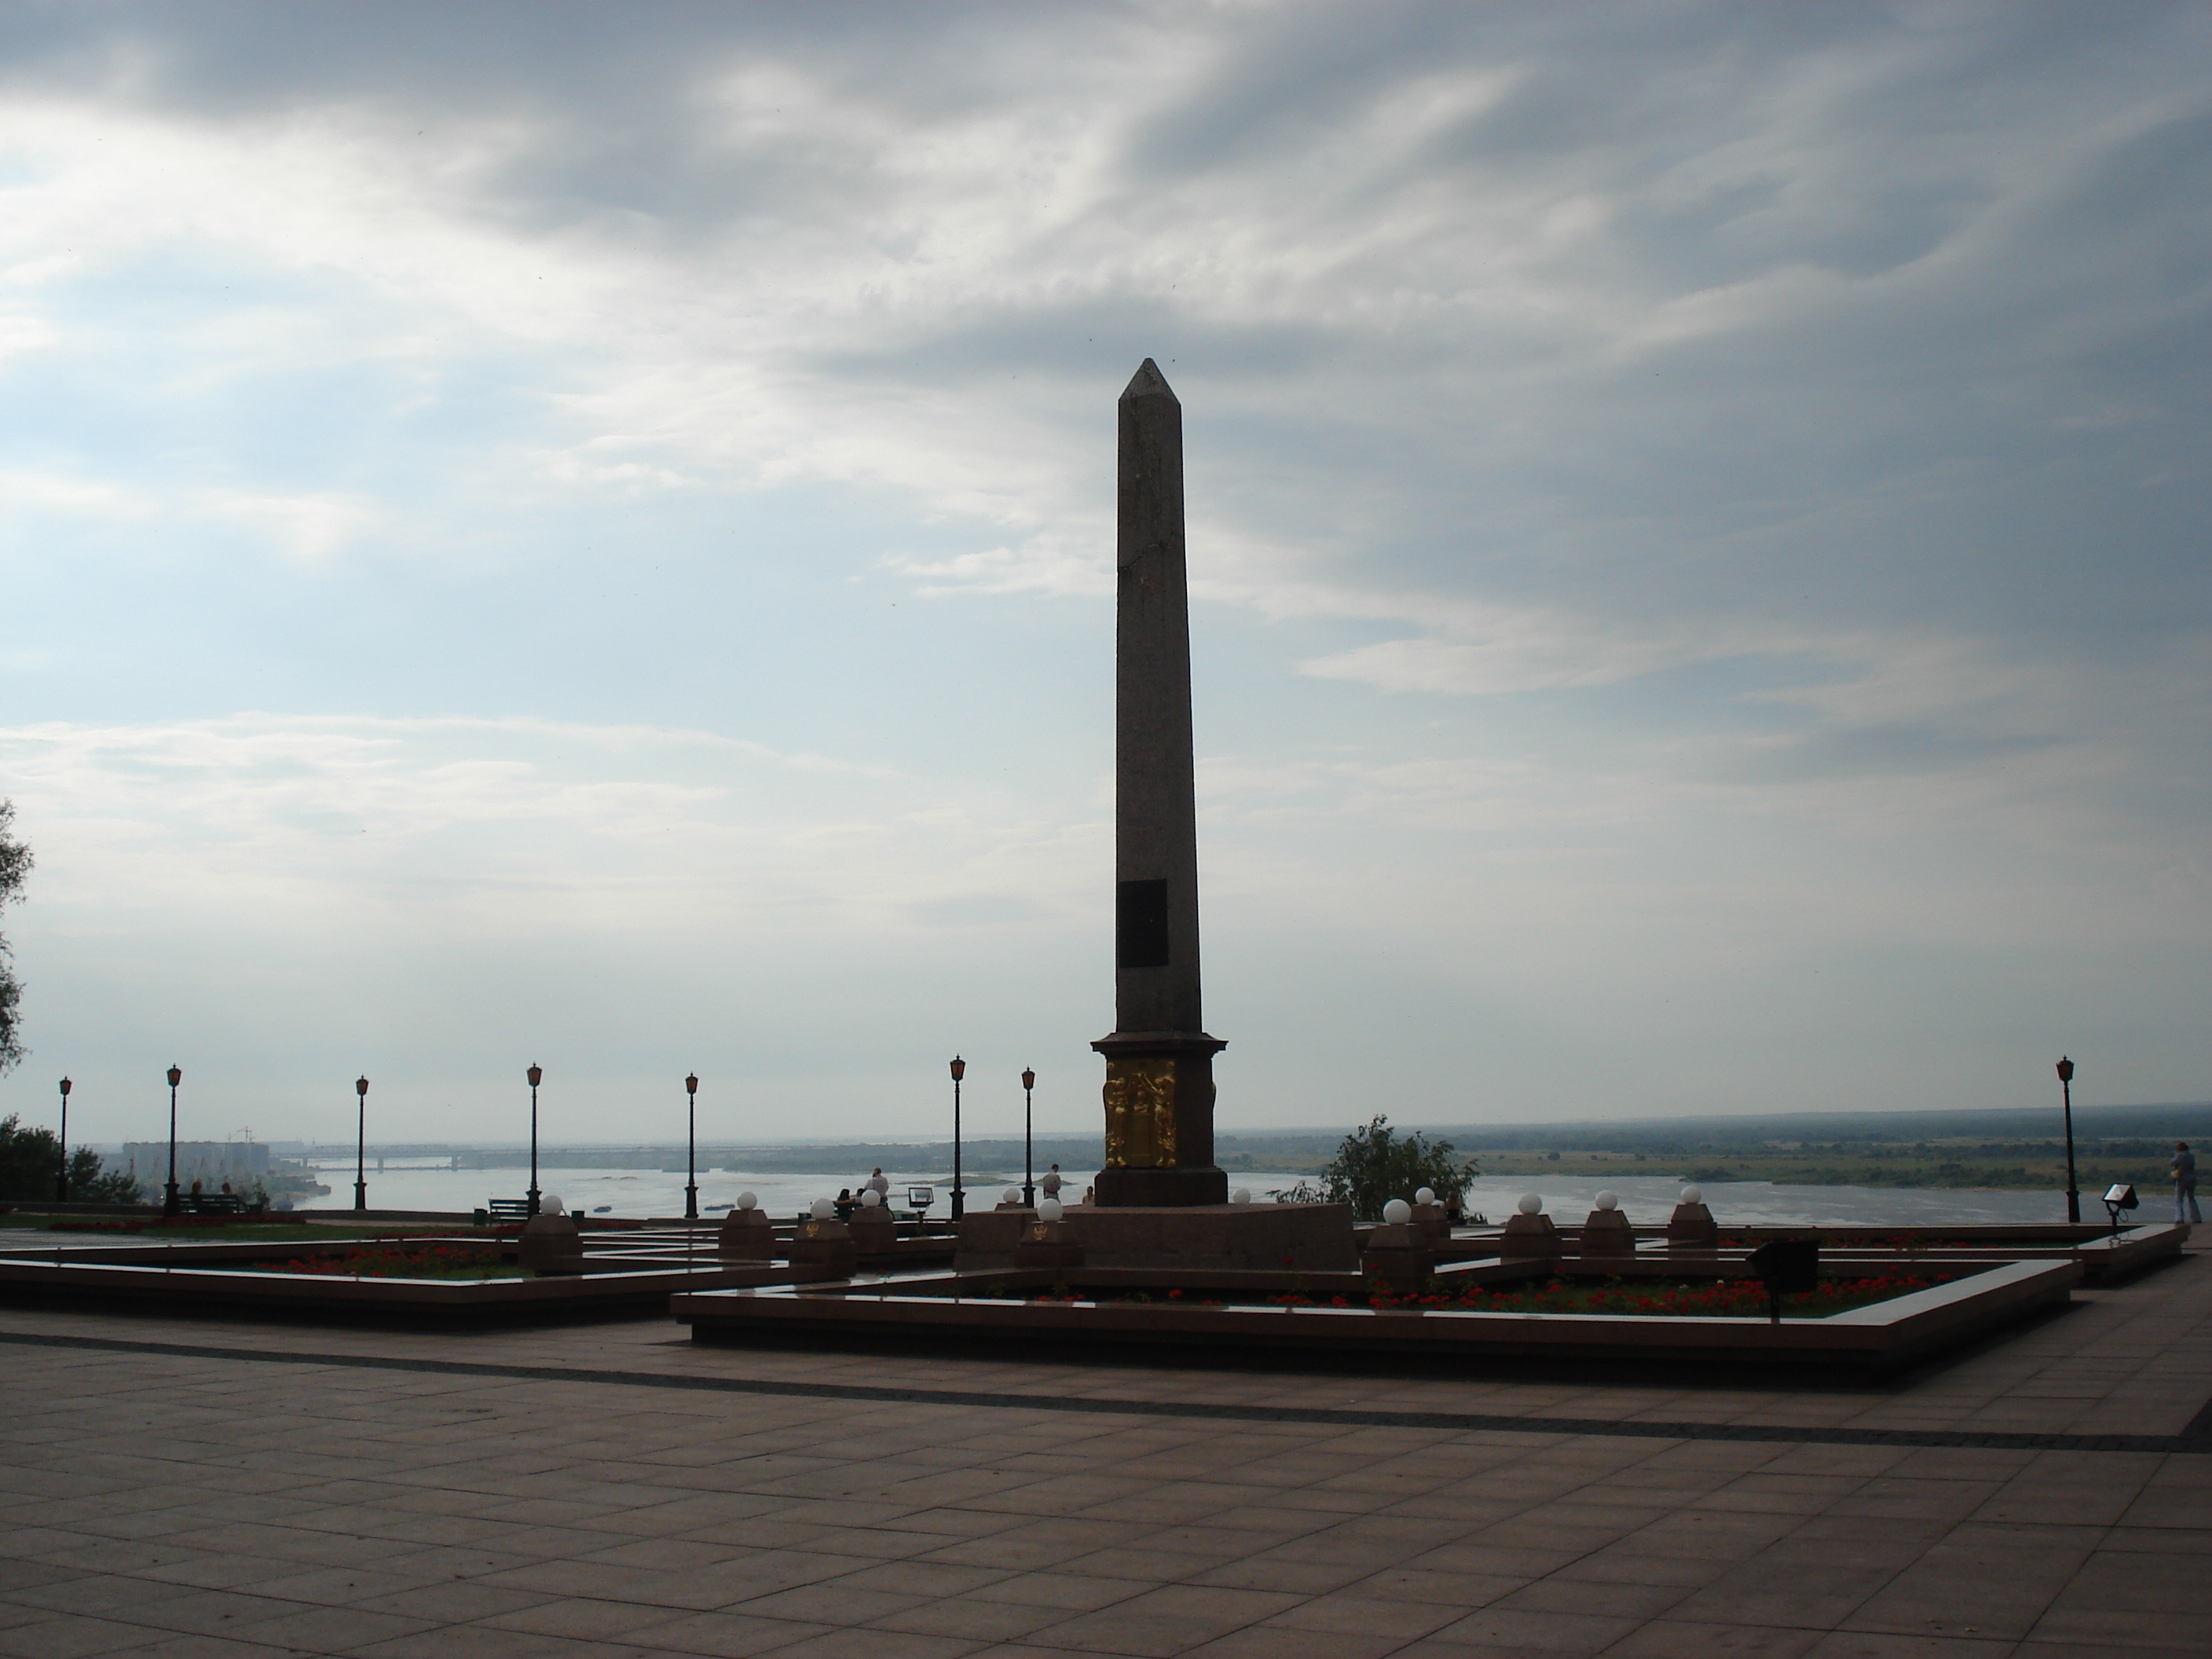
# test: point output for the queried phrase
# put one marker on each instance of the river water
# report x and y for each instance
(1647, 1199)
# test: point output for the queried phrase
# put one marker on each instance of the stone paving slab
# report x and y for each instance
(182, 1497)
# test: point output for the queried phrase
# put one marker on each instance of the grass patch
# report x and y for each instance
(230, 1228)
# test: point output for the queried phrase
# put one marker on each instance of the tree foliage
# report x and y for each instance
(14, 870)
(1376, 1163)
(30, 1160)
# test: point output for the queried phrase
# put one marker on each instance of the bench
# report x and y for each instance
(211, 1204)
(507, 1209)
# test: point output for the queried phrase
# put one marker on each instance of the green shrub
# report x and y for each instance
(1376, 1164)
(30, 1158)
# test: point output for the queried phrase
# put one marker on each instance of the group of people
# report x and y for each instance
(879, 1184)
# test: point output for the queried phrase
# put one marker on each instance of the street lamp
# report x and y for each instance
(2073, 1193)
(1028, 1160)
(169, 1192)
(535, 1073)
(360, 1147)
(959, 1198)
(61, 1180)
(691, 1149)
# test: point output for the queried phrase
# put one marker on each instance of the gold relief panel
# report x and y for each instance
(1140, 1114)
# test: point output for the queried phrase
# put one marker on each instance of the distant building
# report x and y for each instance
(210, 1163)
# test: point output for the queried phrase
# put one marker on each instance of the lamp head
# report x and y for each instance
(959, 1068)
(1029, 1078)
(176, 1076)
(2065, 1070)
(361, 1086)
(534, 1074)
(66, 1086)
(691, 1084)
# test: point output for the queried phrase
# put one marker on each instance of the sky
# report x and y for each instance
(582, 534)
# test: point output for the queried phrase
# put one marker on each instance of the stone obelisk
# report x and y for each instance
(1160, 1061)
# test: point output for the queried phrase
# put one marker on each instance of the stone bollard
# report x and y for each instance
(1430, 1220)
(745, 1235)
(1048, 1244)
(551, 1241)
(1530, 1233)
(822, 1246)
(1399, 1258)
(1692, 1227)
(874, 1232)
(1607, 1236)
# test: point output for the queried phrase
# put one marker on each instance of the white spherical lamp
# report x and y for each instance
(1531, 1204)
(1397, 1212)
(1426, 1195)
(1049, 1209)
(1608, 1201)
(1692, 1196)
(822, 1209)
(550, 1203)
(1011, 1195)
(1242, 1195)
(870, 1197)
(749, 1200)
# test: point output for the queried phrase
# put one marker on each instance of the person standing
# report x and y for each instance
(1053, 1181)
(2183, 1168)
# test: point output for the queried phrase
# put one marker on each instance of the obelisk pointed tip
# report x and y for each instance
(1148, 382)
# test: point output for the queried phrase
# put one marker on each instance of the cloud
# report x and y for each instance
(311, 528)
(1737, 473)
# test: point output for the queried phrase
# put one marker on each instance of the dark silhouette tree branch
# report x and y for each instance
(15, 869)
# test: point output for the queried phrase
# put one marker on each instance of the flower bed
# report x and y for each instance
(391, 1262)
(1705, 1298)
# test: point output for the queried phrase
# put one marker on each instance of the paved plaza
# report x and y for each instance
(185, 1487)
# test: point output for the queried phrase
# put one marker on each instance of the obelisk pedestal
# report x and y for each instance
(1159, 1060)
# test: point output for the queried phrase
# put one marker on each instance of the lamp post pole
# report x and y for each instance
(535, 1073)
(360, 1146)
(2066, 1088)
(691, 1149)
(1029, 1157)
(169, 1206)
(61, 1177)
(959, 1197)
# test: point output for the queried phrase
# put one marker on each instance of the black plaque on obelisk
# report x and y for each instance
(1160, 1061)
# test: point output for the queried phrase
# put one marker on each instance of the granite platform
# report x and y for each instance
(176, 1488)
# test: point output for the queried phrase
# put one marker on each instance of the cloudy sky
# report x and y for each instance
(582, 533)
